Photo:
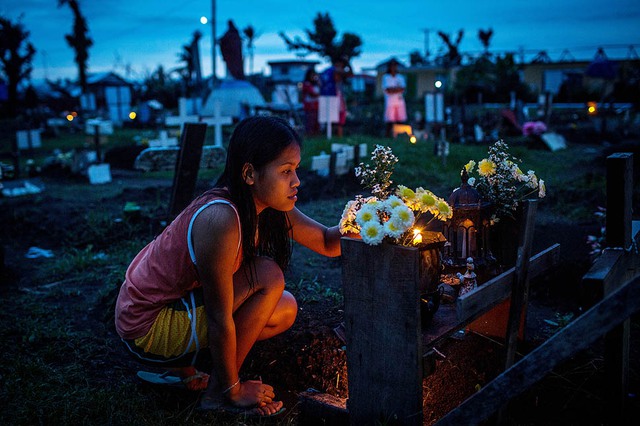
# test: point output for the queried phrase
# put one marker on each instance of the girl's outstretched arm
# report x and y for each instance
(314, 235)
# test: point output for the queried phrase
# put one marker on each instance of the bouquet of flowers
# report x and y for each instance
(389, 214)
(501, 181)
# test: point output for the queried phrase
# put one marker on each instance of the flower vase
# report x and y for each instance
(382, 319)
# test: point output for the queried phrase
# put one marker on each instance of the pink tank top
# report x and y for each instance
(163, 271)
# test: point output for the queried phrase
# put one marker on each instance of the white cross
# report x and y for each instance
(217, 121)
(182, 117)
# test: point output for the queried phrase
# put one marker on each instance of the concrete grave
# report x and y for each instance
(163, 141)
(157, 159)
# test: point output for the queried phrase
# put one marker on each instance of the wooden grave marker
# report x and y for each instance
(187, 166)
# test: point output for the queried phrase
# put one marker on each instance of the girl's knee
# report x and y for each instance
(289, 309)
(270, 276)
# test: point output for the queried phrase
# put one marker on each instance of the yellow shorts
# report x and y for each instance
(174, 339)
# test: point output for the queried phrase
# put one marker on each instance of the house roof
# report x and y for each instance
(107, 79)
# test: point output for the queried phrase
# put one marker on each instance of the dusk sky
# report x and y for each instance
(142, 34)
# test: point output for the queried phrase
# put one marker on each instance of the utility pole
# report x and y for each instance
(426, 44)
(214, 39)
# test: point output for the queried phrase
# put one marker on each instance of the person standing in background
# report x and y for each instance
(332, 80)
(310, 95)
(393, 85)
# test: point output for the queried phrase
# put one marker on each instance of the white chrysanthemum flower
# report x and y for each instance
(394, 228)
(392, 202)
(404, 216)
(372, 233)
(367, 213)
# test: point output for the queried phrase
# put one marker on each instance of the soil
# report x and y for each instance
(311, 355)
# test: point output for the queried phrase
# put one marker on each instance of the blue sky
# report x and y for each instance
(142, 34)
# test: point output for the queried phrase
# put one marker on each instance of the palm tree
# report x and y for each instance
(485, 39)
(79, 41)
(250, 36)
(15, 66)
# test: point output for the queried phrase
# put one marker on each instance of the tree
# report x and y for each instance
(160, 86)
(15, 57)
(322, 41)
(485, 39)
(416, 58)
(453, 57)
(250, 36)
(79, 41)
(191, 72)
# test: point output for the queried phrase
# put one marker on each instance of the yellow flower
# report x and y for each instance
(427, 199)
(469, 166)
(486, 167)
(405, 193)
(444, 209)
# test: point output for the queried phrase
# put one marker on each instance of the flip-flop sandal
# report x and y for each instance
(162, 379)
(169, 379)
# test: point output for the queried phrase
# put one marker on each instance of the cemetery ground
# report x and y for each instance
(62, 363)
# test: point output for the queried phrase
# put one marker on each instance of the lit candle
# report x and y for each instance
(417, 237)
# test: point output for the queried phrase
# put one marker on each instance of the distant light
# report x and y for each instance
(75, 114)
(69, 117)
(438, 84)
(203, 20)
(592, 108)
(132, 115)
(412, 139)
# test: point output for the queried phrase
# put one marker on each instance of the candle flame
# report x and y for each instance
(417, 237)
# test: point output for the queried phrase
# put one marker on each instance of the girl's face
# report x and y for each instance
(276, 185)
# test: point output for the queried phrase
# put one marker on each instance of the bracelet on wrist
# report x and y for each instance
(231, 387)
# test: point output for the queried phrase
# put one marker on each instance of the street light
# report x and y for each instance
(438, 84)
(204, 20)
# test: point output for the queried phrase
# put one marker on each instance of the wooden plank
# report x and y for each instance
(520, 284)
(618, 235)
(383, 330)
(619, 198)
(478, 301)
(187, 166)
(320, 409)
(577, 336)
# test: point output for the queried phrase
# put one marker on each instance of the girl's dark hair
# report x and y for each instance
(310, 72)
(258, 140)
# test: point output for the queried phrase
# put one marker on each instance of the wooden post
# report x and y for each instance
(618, 235)
(187, 166)
(382, 322)
(520, 285)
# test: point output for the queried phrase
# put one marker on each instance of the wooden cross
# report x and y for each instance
(187, 166)
(618, 263)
